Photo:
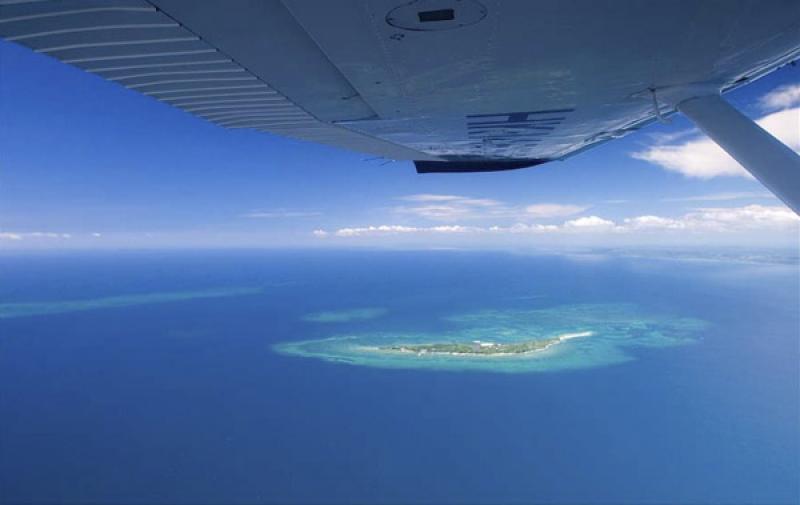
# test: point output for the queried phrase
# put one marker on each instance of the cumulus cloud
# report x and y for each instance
(10, 236)
(701, 158)
(781, 98)
(589, 223)
(758, 218)
(750, 217)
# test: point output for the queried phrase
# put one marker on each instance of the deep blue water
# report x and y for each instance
(185, 402)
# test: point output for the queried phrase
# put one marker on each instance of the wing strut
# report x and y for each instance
(774, 164)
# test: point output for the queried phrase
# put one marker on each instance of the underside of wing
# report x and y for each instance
(141, 47)
(456, 85)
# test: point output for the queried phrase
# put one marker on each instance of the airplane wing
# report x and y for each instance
(455, 85)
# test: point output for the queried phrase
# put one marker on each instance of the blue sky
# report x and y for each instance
(85, 163)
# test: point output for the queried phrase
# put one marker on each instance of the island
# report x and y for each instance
(479, 348)
(546, 339)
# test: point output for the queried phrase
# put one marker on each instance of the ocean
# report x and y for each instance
(172, 377)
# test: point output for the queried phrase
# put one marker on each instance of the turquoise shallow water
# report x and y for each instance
(610, 330)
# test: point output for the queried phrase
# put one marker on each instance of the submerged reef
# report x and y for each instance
(26, 309)
(510, 340)
(345, 316)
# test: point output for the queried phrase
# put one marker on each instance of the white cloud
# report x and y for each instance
(520, 228)
(668, 137)
(97, 235)
(782, 97)
(450, 207)
(653, 223)
(455, 208)
(47, 234)
(592, 223)
(375, 230)
(785, 125)
(549, 210)
(280, 213)
(719, 197)
(479, 202)
(697, 158)
(700, 157)
(750, 218)
(438, 211)
(398, 229)
(34, 235)
(721, 219)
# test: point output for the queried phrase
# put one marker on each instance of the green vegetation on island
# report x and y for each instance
(477, 347)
